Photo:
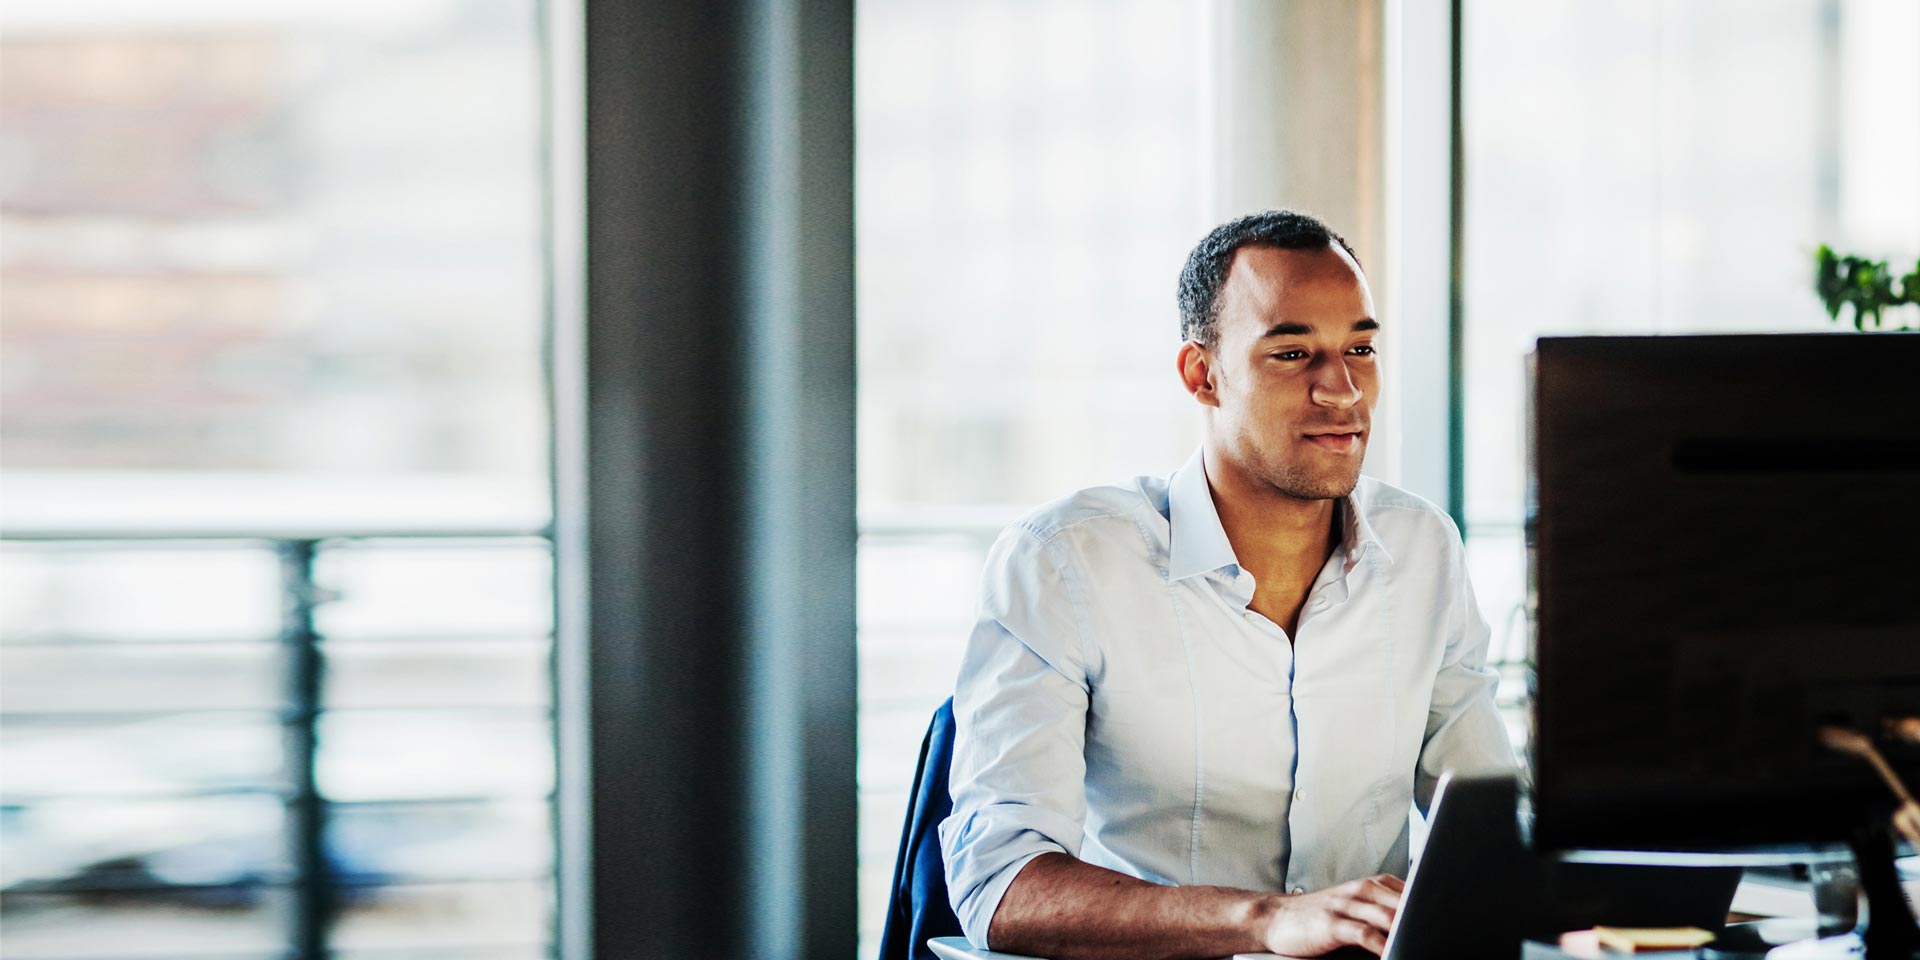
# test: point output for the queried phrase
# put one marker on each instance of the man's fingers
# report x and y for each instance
(1375, 941)
(1373, 914)
(1391, 882)
(1377, 890)
(1349, 930)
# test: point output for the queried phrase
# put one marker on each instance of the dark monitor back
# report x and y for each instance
(1724, 535)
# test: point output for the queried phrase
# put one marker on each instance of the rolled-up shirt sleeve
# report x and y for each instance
(1020, 707)
(1464, 731)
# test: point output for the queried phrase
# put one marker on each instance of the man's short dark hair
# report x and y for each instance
(1206, 270)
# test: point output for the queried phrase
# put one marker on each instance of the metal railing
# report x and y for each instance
(312, 878)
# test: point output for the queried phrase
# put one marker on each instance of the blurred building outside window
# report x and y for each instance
(275, 480)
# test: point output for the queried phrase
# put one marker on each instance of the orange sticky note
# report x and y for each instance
(1636, 939)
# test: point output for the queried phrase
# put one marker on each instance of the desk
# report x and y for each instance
(1756, 895)
(958, 948)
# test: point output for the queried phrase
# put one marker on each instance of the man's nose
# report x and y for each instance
(1333, 385)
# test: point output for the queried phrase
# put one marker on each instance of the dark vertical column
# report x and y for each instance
(717, 495)
(306, 814)
(663, 388)
(798, 360)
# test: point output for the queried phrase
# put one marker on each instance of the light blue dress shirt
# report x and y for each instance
(1119, 702)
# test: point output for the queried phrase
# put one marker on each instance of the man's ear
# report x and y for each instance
(1195, 364)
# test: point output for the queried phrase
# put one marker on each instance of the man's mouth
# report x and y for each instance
(1338, 441)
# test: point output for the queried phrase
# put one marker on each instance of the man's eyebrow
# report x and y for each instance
(1288, 330)
(1301, 329)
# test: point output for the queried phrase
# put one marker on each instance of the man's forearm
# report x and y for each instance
(1067, 909)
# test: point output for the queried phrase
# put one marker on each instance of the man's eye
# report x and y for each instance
(1291, 355)
(1363, 350)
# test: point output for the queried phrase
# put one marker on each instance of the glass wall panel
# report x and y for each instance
(221, 841)
(272, 264)
(1028, 184)
(142, 756)
(376, 843)
(88, 677)
(471, 589)
(437, 673)
(221, 924)
(209, 591)
(441, 917)
(1647, 167)
(272, 278)
(430, 755)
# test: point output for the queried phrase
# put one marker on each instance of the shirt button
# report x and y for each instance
(1299, 890)
(1252, 616)
(1300, 794)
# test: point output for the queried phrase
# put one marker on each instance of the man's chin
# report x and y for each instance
(1318, 487)
(1331, 478)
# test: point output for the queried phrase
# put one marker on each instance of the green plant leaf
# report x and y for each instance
(1870, 287)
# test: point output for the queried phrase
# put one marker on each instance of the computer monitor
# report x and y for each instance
(1724, 555)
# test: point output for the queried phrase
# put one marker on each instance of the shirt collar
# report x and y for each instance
(1200, 543)
(1357, 533)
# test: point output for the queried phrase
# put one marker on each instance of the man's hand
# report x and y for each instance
(1068, 909)
(1358, 913)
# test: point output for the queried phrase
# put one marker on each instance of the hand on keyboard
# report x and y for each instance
(1358, 913)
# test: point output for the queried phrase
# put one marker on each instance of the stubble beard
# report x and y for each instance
(1300, 483)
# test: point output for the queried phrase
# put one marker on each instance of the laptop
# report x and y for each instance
(1477, 892)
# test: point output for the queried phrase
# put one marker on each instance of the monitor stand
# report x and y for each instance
(1889, 932)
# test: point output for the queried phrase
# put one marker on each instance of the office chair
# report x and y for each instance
(917, 905)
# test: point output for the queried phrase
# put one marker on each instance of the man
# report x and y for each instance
(1195, 711)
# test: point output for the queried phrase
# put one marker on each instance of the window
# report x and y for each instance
(1027, 189)
(275, 602)
(1661, 168)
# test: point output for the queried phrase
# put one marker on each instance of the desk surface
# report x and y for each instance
(957, 948)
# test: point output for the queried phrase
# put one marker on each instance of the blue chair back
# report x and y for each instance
(917, 905)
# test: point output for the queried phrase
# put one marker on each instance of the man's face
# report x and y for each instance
(1294, 372)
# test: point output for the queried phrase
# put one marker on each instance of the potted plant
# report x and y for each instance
(1869, 287)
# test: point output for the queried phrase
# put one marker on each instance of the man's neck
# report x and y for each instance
(1267, 528)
